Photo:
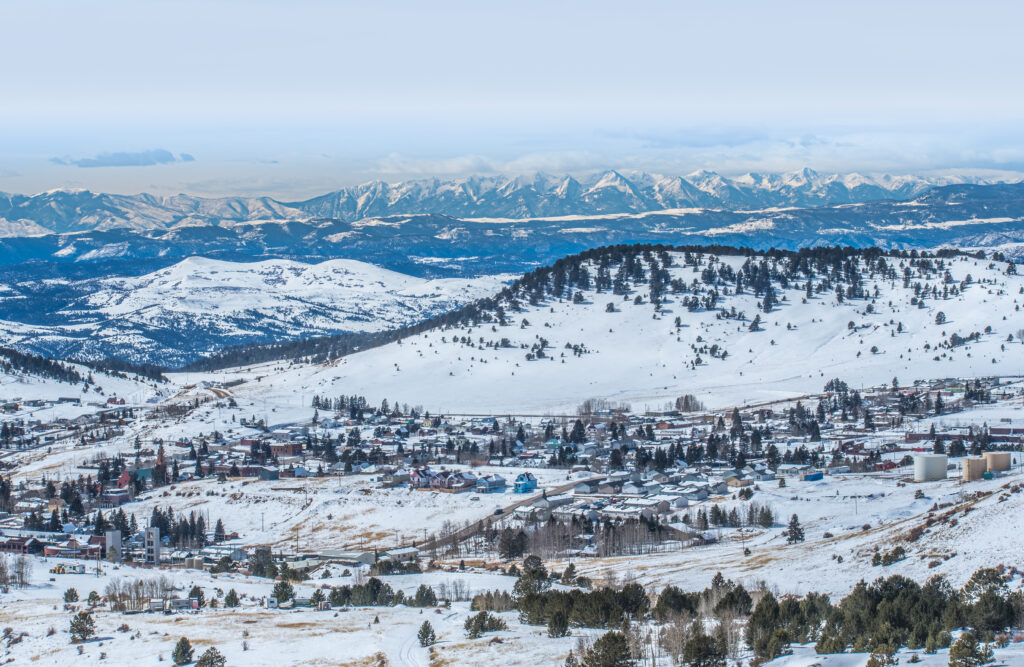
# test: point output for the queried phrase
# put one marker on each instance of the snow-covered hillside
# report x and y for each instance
(33, 396)
(639, 354)
(198, 305)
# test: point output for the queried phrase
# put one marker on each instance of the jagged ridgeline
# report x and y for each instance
(643, 269)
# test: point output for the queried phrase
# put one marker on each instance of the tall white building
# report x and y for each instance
(151, 543)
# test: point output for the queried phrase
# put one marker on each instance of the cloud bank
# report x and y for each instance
(122, 159)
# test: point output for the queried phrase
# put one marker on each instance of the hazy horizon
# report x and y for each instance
(236, 98)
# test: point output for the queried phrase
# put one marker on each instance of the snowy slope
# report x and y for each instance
(199, 304)
(21, 387)
(637, 355)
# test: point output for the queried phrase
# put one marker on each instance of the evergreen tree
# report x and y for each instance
(704, 651)
(182, 654)
(610, 650)
(82, 627)
(426, 634)
(578, 434)
(231, 599)
(211, 658)
(966, 652)
(558, 624)
(794, 533)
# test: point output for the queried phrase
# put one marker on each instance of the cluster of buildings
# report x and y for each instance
(632, 495)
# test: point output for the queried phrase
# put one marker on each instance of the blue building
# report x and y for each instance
(525, 483)
(490, 484)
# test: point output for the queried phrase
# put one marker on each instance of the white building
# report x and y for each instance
(151, 545)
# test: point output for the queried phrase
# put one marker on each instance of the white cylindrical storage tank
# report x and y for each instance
(997, 461)
(929, 467)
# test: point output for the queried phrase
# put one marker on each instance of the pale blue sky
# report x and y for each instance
(299, 97)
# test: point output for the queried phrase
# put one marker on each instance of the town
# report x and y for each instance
(360, 491)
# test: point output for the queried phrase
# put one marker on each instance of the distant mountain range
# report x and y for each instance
(540, 195)
(435, 245)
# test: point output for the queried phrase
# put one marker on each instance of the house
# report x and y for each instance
(651, 488)
(694, 493)
(349, 557)
(674, 502)
(585, 488)
(623, 511)
(420, 478)
(530, 513)
(451, 480)
(525, 482)
(490, 484)
(182, 604)
(633, 489)
(718, 487)
(568, 512)
(56, 503)
(736, 482)
(551, 502)
(215, 552)
(652, 505)
(268, 474)
(402, 554)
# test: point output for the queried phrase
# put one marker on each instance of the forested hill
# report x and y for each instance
(643, 271)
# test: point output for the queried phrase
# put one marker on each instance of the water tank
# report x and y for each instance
(929, 467)
(997, 460)
(974, 469)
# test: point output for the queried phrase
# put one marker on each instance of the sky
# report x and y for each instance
(295, 98)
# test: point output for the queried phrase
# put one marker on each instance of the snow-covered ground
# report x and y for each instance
(22, 388)
(199, 305)
(638, 356)
(326, 513)
(251, 635)
(845, 516)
